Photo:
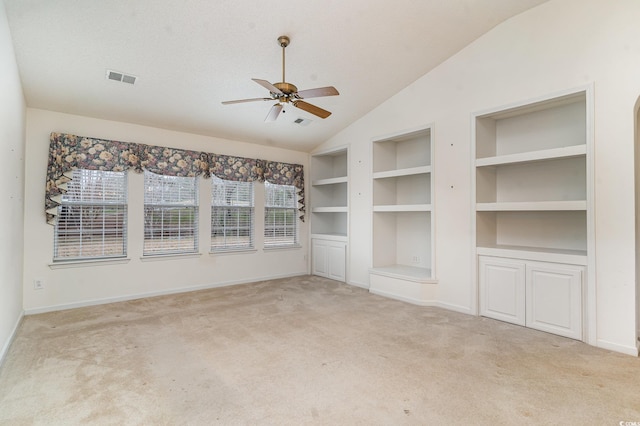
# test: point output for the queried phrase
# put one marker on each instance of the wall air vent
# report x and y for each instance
(122, 77)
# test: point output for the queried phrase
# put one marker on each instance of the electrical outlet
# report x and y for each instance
(38, 284)
(415, 259)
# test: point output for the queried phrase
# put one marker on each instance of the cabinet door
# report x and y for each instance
(502, 289)
(320, 258)
(554, 298)
(337, 261)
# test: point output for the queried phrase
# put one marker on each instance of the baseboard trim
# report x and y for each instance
(404, 298)
(629, 350)
(95, 302)
(12, 336)
(455, 308)
(358, 284)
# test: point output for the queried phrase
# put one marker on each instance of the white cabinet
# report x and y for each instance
(540, 295)
(534, 227)
(329, 199)
(502, 289)
(402, 186)
(554, 298)
(329, 259)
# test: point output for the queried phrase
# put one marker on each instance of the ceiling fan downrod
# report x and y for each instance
(284, 42)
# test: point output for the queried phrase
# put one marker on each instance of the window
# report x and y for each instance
(92, 216)
(231, 215)
(170, 214)
(280, 215)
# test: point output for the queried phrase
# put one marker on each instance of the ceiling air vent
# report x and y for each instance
(302, 121)
(118, 76)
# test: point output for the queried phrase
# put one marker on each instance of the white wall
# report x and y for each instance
(69, 287)
(12, 123)
(557, 46)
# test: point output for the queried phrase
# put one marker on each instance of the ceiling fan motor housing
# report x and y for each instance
(288, 89)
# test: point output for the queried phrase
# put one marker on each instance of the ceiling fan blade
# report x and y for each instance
(270, 87)
(239, 101)
(274, 112)
(316, 93)
(312, 109)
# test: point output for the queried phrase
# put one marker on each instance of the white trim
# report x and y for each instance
(329, 181)
(233, 251)
(106, 300)
(574, 257)
(359, 284)
(289, 247)
(170, 256)
(628, 350)
(12, 336)
(406, 273)
(420, 170)
(329, 237)
(455, 308)
(403, 133)
(534, 156)
(88, 263)
(404, 298)
(333, 150)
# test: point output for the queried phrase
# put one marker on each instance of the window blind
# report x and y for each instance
(91, 219)
(232, 215)
(280, 226)
(170, 214)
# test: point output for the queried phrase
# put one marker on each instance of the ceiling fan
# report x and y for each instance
(284, 92)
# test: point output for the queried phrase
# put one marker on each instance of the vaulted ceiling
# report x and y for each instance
(190, 55)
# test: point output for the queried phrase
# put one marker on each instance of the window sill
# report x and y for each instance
(232, 252)
(64, 264)
(174, 256)
(290, 247)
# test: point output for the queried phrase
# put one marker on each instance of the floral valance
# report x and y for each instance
(70, 152)
(173, 162)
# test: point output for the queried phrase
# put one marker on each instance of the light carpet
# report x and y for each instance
(303, 350)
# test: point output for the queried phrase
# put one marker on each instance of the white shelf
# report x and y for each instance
(402, 172)
(532, 181)
(330, 236)
(579, 205)
(403, 208)
(404, 272)
(330, 181)
(402, 188)
(575, 257)
(328, 197)
(341, 209)
(533, 156)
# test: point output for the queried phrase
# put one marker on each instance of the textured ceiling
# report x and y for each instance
(190, 55)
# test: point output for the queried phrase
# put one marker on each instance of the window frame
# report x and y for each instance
(163, 210)
(87, 201)
(242, 200)
(285, 202)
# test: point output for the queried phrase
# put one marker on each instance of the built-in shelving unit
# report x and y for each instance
(532, 202)
(329, 200)
(402, 258)
(329, 193)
